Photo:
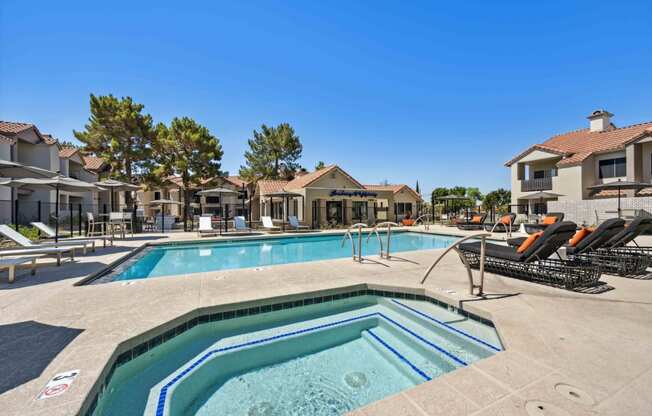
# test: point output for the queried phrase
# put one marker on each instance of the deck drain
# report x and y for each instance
(574, 394)
(261, 409)
(539, 408)
(356, 380)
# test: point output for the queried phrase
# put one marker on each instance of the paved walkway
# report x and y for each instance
(600, 345)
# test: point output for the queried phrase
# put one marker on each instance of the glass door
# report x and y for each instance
(334, 212)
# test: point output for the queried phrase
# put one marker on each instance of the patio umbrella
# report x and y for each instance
(58, 183)
(541, 195)
(219, 192)
(163, 203)
(113, 185)
(619, 185)
(285, 195)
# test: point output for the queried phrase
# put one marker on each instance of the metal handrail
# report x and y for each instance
(389, 225)
(508, 231)
(380, 240)
(419, 219)
(359, 226)
(455, 247)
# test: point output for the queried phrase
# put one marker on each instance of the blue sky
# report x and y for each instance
(442, 92)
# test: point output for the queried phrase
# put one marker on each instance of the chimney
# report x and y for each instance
(600, 120)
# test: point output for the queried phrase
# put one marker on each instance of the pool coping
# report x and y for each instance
(140, 344)
(130, 255)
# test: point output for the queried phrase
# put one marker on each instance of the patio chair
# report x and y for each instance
(476, 223)
(11, 264)
(25, 242)
(206, 227)
(549, 219)
(51, 233)
(92, 224)
(295, 225)
(504, 225)
(240, 227)
(531, 260)
(268, 224)
(120, 221)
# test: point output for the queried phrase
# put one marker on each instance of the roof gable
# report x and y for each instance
(329, 177)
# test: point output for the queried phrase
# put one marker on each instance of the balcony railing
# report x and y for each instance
(540, 184)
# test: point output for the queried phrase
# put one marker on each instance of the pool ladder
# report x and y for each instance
(357, 254)
(425, 224)
(455, 247)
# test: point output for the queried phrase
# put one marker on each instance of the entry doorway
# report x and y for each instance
(334, 212)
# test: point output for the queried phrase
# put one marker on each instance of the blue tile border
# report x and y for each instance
(163, 337)
(399, 355)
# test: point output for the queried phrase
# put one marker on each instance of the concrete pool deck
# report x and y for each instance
(598, 344)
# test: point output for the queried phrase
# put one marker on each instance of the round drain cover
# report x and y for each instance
(261, 409)
(356, 380)
(539, 408)
(574, 393)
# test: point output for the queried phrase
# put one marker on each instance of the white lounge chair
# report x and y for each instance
(206, 227)
(51, 233)
(268, 224)
(294, 223)
(10, 265)
(48, 251)
(25, 242)
(241, 225)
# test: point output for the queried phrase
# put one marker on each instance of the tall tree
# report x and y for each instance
(417, 189)
(273, 153)
(439, 192)
(499, 198)
(189, 150)
(119, 132)
(320, 165)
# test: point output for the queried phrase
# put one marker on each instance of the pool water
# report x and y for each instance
(324, 359)
(168, 260)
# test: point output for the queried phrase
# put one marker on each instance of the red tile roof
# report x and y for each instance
(5, 139)
(11, 127)
(306, 179)
(67, 152)
(395, 188)
(236, 180)
(268, 186)
(93, 162)
(47, 138)
(577, 145)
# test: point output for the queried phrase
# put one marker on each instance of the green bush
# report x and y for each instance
(29, 232)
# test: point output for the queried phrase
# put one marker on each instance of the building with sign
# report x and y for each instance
(332, 197)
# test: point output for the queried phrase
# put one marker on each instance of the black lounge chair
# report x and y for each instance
(502, 228)
(615, 256)
(534, 263)
(473, 225)
(533, 228)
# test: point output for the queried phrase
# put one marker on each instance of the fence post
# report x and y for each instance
(133, 218)
(72, 230)
(79, 216)
(16, 213)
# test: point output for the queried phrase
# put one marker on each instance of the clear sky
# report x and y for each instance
(442, 92)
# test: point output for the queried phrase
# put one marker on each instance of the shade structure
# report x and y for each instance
(218, 192)
(116, 186)
(618, 186)
(11, 169)
(452, 197)
(540, 196)
(57, 183)
(163, 203)
(286, 196)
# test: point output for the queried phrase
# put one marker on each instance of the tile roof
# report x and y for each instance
(306, 179)
(67, 152)
(49, 139)
(11, 127)
(268, 186)
(575, 146)
(93, 162)
(235, 180)
(395, 188)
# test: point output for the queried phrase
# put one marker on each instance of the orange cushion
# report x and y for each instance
(528, 242)
(408, 222)
(476, 219)
(505, 219)
(579, 236)
(549, 220)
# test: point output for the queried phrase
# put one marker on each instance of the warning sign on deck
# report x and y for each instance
(59, 384)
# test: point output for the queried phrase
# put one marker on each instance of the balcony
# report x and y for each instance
(540, 184)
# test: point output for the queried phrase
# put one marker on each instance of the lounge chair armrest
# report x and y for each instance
(515, 242)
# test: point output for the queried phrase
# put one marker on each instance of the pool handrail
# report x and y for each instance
(426, 225)
(389, 225)
(455, 247)
(359, 226)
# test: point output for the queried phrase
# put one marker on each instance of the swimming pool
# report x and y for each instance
(168, 260)
(301, 360)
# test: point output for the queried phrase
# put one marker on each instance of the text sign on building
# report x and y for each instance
(363, 194)
(59, 384)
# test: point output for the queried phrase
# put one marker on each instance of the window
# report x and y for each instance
(212, 199)
(157, 195)
(539, 174)
(360, 210)
(612, 168)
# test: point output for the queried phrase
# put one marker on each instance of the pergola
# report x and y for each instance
(285, 196)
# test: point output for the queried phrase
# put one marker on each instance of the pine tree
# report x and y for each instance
(119, 132)
(187, 149)
(273, 153)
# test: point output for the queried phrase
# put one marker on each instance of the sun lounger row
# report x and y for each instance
(240, 224)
